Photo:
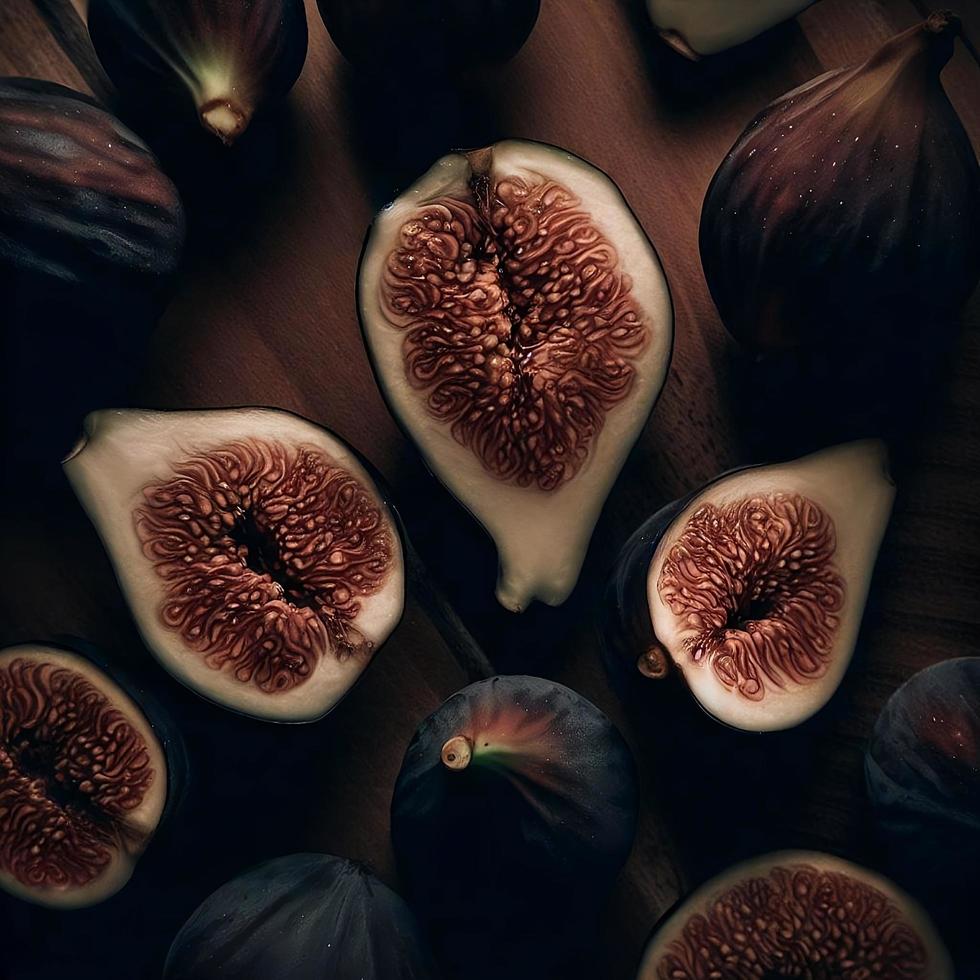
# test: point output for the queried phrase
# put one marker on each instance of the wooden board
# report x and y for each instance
(265, 315)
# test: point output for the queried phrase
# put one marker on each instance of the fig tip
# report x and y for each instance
(457, 753)
(225, 119)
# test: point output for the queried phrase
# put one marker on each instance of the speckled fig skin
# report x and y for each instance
(514, 809)
(922, 769)
(218, 61)
(300, 917)
(848, 207)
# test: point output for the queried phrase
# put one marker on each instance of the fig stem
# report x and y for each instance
(457, 753)
(654, 662)
(225, 118)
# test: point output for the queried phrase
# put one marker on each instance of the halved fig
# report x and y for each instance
(923, 774)
(520, 327)
(796, 914)
(513, 812)
(301, 917)
(700, 27)
(260, 560)
(751, 590)
(83, 779)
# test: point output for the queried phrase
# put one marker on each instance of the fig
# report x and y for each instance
(796, 914)
(847, 207)
(260, 560)
(83, 779)
(701, 27)
(85, 211)
(514, 809)
(301, 917)
(751, 590)
(218, 62)
(520, 328)
(922, 767)
(429, 35)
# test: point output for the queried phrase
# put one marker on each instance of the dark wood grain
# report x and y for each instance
(265, 315)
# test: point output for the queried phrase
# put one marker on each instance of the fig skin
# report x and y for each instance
(847, 208)
(514, 810)
(922, 770)
(301, 917)
(217, 60)
(429, 36)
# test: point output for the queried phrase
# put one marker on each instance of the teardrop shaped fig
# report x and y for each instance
(514, 810)
(797, 914)
(429, 36)
(849, 206)
(751, 590)
(300, 917)
(83, 779)
(216, 62)
(520, 328)
(701, 27)
(922, 767)
(85, 210)
(260, 560)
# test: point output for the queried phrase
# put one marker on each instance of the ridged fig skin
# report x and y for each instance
(513, 812)
(218, 61)
(429, 35)
(84, 207)
(848, 206)
(301, 917)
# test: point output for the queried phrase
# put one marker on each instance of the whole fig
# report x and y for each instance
(850, 205)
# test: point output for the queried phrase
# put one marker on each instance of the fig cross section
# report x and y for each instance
(260, 560)
(520, 328)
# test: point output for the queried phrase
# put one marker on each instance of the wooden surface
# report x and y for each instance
(265, 315)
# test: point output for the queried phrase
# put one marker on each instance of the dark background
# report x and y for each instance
(264, 314)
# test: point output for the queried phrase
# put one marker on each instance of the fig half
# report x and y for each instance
(216, 61)
(301, 917)
(922, 767)
(259, 558)
(751, 590)
(520, 327)
(796, 914)
(83, 779)
(700, 27)
(847, 208)
(513, 812)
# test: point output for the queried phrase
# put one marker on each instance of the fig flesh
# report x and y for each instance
(923, 775)
(848, 207)
(513, 812)
(752, 589)
(259, 559)
(701, 27)
(84, 208)
(796, 914)
(217, 61)
(83, 779)
(430, 35)
(520, 327)
(301, 917)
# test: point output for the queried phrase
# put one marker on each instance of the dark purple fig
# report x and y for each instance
(302, 917)
(260, 560)
(849, 206)
(750, 591)
(84, 779)
(513, 812)
(429, 36)
(84, 208)
(923, 775)
(796, 914)
(218, 61)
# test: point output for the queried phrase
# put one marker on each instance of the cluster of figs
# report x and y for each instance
(520, 326)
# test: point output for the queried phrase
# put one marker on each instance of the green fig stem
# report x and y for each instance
(654, 663)
(225, 118)
(457, 753)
